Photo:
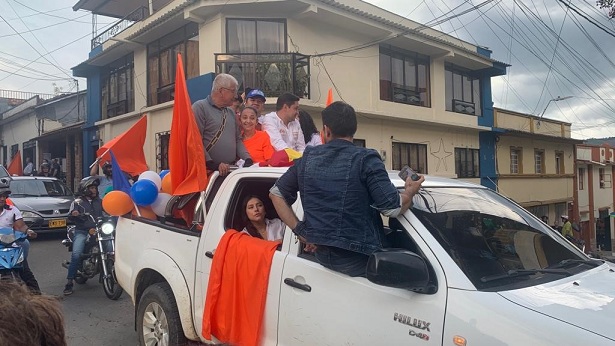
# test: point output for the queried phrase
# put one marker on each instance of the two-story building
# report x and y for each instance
(535, 163)
(45, 127)
(423, 97)
(596, 195)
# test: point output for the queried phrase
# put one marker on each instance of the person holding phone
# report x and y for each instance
(343, 190)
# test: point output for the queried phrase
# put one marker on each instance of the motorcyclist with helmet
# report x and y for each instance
(88, 203)
(44, 170)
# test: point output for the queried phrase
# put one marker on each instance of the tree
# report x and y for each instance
(609, 4)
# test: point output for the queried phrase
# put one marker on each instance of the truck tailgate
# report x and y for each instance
(142, 245)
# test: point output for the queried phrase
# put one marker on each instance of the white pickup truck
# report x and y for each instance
(466, 266)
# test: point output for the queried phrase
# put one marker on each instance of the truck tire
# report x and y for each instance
(158, 320)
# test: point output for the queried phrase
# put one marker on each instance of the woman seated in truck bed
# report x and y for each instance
(256, 223)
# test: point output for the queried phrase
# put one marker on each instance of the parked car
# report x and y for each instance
(43, 201)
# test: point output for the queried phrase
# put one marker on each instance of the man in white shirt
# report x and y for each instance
(282, 125)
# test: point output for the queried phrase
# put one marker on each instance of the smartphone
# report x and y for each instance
(406, 172)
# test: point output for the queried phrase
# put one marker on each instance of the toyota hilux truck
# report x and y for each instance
(464, 266)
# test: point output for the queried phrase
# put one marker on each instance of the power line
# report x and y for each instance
(41, 28)
(598, 25)
(33, 61)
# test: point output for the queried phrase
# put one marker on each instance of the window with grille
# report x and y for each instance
(411, 154)
(461, 91)
(404, 76)
(467, 163)
(162, 152)
(559, 162)
(539, 161)
(117, 92)
(515, 161)
(604, 178)
(162, 62)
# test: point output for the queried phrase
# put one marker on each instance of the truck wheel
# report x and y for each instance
(158, 320)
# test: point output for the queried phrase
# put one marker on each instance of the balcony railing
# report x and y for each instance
(460, 106)
(135, 16)
(273, 73)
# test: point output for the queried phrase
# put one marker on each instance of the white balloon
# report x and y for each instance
(153, 176)
(160, 204)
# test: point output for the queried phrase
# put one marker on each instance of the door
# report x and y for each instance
(223, 214)
(603, 230)
(341, 310)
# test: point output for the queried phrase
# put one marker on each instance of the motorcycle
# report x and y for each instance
(98, 256)
(11, 253)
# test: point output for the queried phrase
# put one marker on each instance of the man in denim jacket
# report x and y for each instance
(343, 189)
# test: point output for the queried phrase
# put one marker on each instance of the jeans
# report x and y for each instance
(25, 246)
(344, 261)
(75, 258)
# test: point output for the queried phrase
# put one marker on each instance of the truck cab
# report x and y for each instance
(485, 271)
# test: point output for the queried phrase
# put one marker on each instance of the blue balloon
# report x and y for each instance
(163, 173)
(144, 192)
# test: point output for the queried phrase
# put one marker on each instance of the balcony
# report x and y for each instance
(460, 106)
(273, 73)
(135, 16)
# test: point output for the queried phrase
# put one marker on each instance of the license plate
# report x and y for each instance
(57, 223)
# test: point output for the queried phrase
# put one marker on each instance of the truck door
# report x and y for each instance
(322, 307)
(223, 214)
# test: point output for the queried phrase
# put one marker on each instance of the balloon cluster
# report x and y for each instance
(150, 194)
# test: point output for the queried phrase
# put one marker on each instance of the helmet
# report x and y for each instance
(87, 182)
(44, 164)
(565, 217)
(5, 186)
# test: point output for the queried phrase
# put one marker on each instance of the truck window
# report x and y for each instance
(236, 218)
(488, 236)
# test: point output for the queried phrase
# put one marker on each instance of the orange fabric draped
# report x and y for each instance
(237, 291)
(186, 152)
(15, 166)
(127, 149)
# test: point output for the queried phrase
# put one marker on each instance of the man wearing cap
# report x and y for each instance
(10, 217)
(255, 98)
(218, 126)
(283, 126)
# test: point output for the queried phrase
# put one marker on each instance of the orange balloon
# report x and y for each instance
(146, 212)
(117, 203)
(166, 183)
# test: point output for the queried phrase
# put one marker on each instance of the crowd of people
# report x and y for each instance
(47, 168)
(342, 232)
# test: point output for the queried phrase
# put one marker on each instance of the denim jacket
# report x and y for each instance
(343, 188)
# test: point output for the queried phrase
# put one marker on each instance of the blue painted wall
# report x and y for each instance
(93, 115)
(488, 174)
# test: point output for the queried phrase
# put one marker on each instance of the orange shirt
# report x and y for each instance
(259, 146)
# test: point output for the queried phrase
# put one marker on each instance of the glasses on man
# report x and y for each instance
(233, 90)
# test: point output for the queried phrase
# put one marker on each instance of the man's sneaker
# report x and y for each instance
(68, 289)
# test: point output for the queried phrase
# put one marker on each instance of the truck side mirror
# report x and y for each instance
(398, 268)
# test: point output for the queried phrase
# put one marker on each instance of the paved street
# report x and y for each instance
(91, 318)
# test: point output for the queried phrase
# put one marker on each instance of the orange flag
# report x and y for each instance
(127, 149)
(15, 165)
(330, 97)
(186, 152)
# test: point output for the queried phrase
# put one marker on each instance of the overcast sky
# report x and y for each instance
(522, 33)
